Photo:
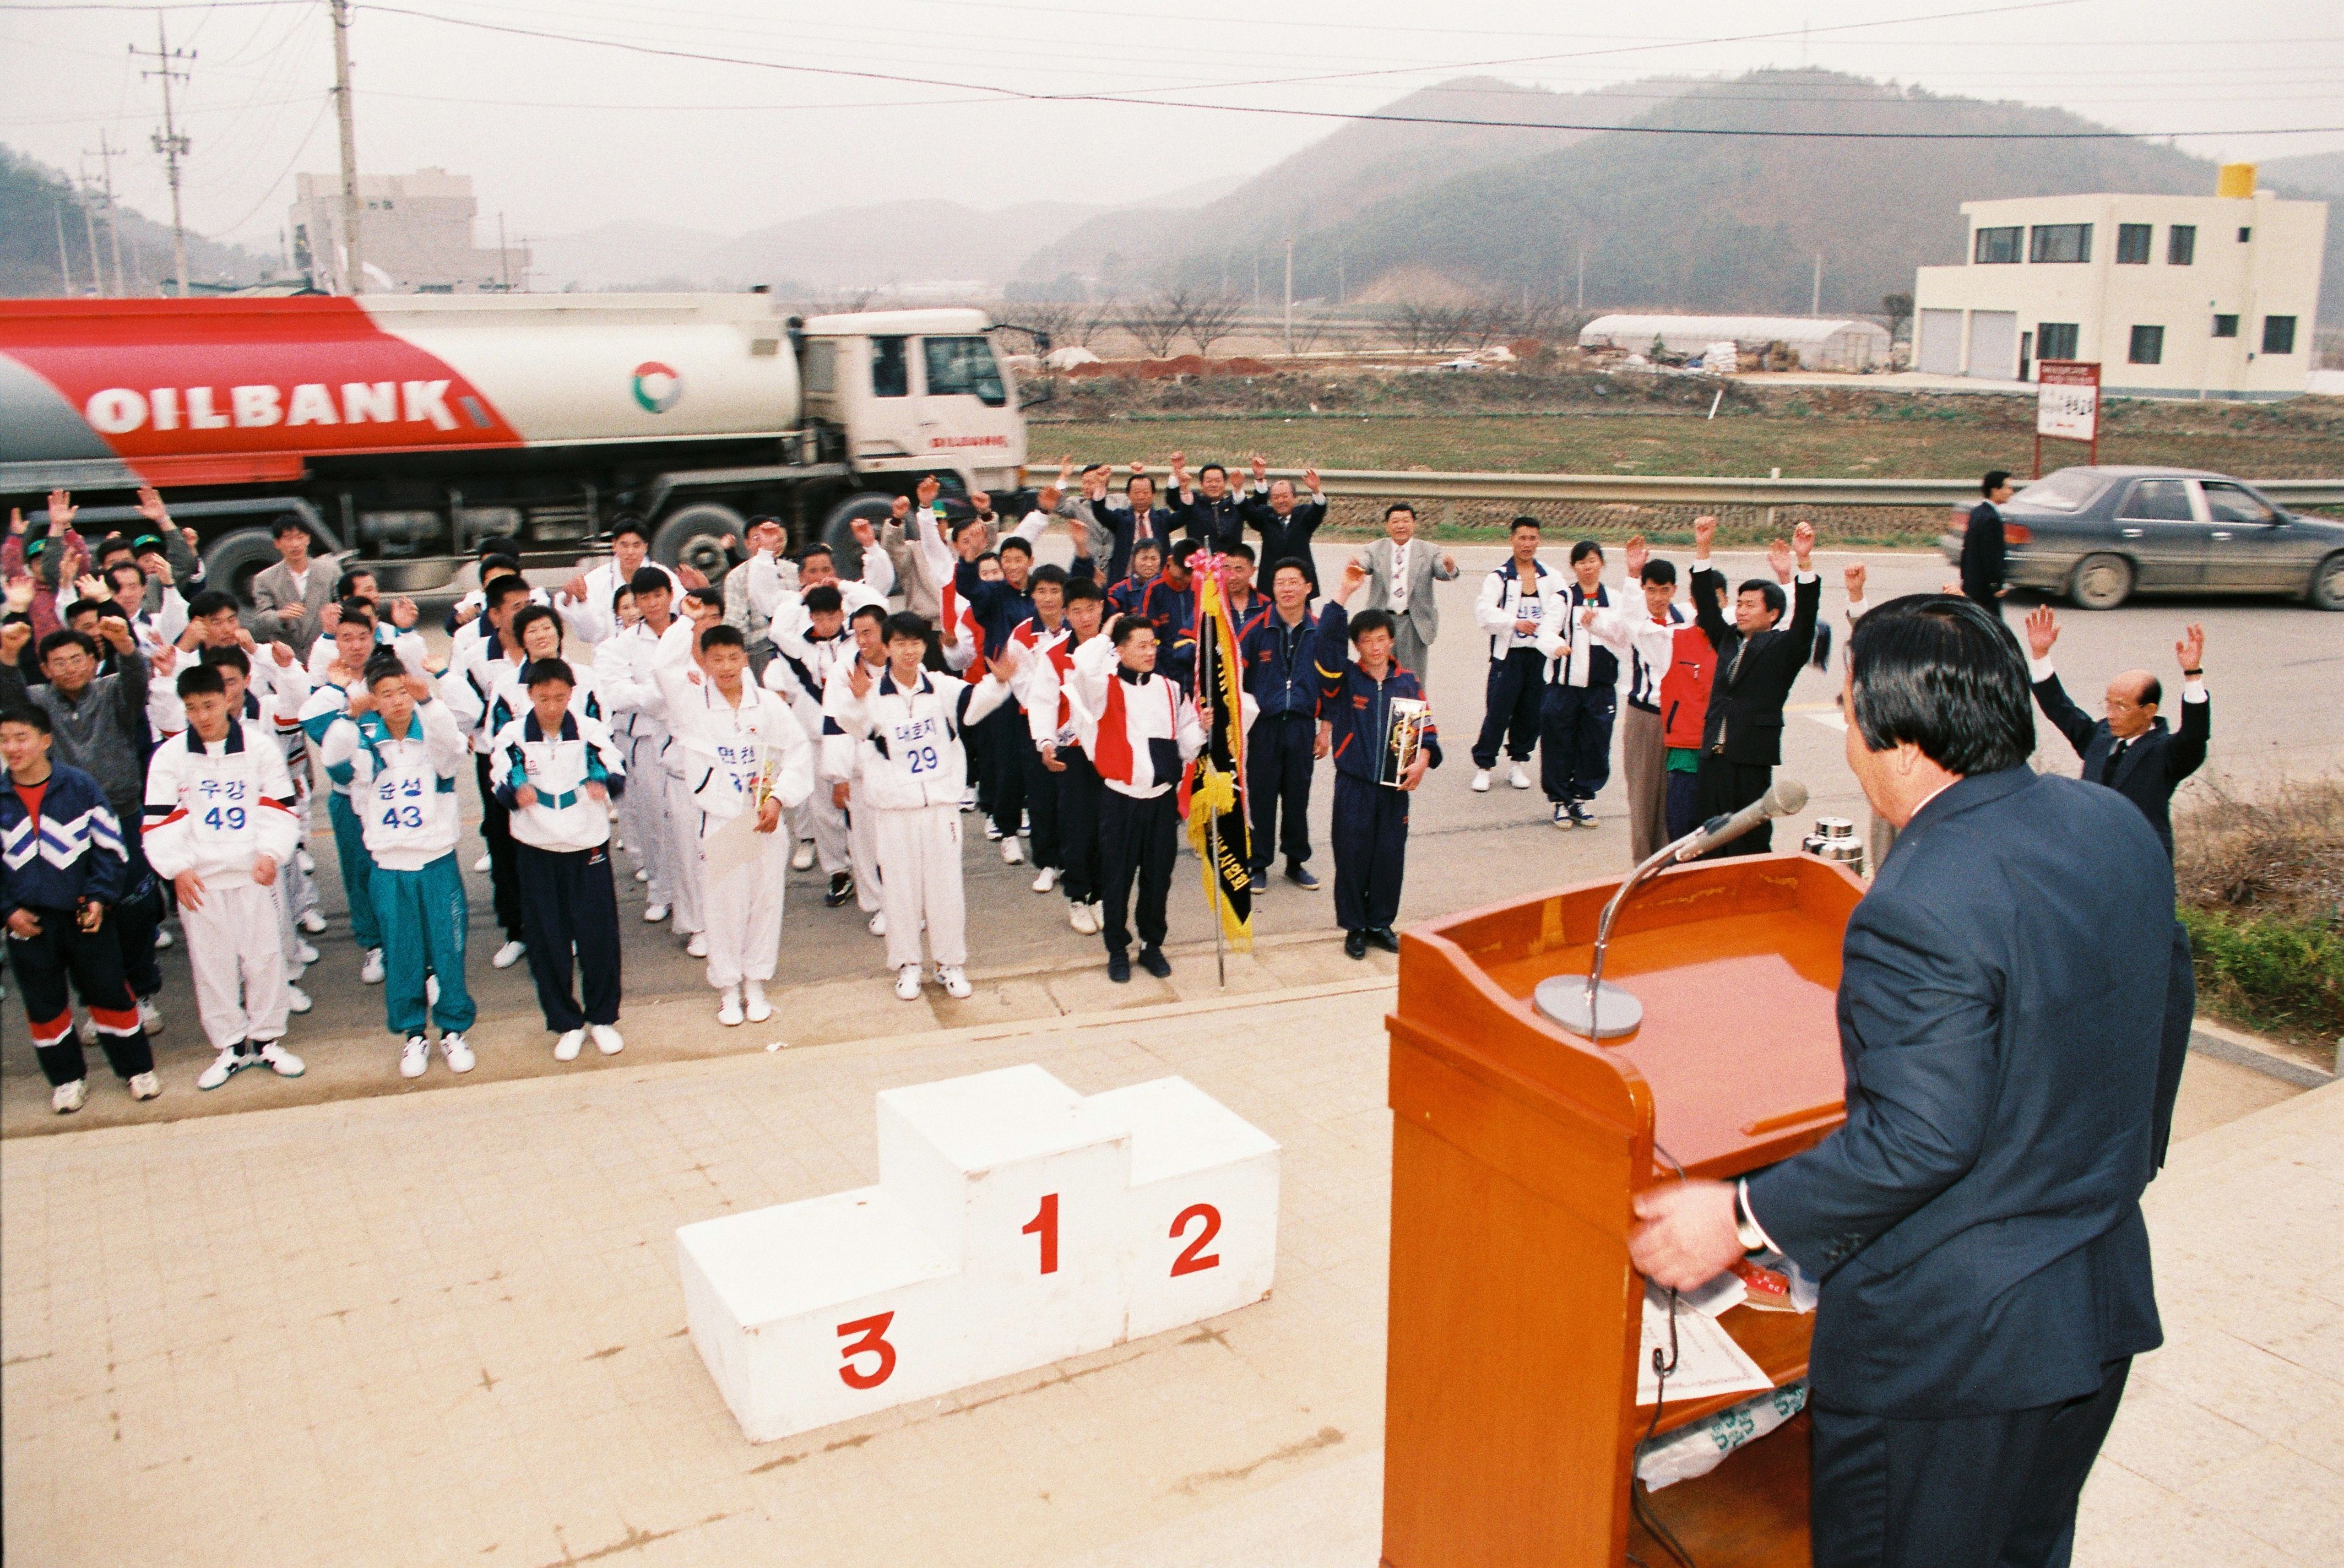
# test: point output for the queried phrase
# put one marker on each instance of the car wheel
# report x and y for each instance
(838, 528)
(232, 560)
(2327, 590)
(694, 535)
(2101, 582)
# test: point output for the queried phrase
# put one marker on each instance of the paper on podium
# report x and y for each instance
(1709, 1363)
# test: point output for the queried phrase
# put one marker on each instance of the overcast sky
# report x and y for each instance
(560, 134)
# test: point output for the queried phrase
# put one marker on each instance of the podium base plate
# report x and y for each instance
(1564, 998)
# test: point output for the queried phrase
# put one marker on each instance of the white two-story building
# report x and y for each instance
(2173, 296)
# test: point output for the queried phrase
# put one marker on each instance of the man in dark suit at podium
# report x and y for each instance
(1975, 1224)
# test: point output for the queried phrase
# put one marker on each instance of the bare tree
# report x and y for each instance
(1049, 322)
(1213, 317)
(1158, 320)
(1427, 325)
(1092, 319)
(1502, 315)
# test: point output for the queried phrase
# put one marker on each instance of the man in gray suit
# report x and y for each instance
(1402, 570)
(288, 598)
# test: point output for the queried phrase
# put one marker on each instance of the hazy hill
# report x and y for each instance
(2317, 174)
(31, 196)
(850, 247)
(619, 255)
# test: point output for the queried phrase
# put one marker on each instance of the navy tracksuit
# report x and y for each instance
(1370, 825)
(998, 741)
(1281, 673)
(1172, 612)
(1575, 722)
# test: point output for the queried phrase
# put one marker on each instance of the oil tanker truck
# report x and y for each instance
(406, 429)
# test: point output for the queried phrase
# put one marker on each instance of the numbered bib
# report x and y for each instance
(401, 798)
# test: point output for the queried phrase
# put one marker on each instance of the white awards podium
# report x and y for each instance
(1014, 1223)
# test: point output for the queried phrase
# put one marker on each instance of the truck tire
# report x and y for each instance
(2327, 590)
(234, 559)
(2100, 582)
(838, 528)
(694, 536)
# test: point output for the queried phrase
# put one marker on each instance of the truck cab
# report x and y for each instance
(913, 392)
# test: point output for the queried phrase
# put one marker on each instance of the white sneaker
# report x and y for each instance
(297, 1000)
(309, 862)
(802, 858)
(162, 939)
(879, 923)
(955, 983)
(969, 800)
(1011, 854)
(567, 1047)
(68, 1098)
(223, 1068)
(1083, 917)
(460, 1054)
(992, 829)
(1481, 781)
(150, 1017)
(284, 1062)
(313, 922)
(754, 1005)
(303, 954)
(370, 972)
(509, 954)
(728, 1011)
(145, 1086)
(1048, 881)
(654, 913)
(606, 1038)
(414, 1056)
(1518, 778)
(698, 945)
(908, 984)
(480, 864)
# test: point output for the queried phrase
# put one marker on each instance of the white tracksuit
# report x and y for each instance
(215, 810)
(842, 764)
(725, 750)
(622, 665)
(911, 769)
(798, 674)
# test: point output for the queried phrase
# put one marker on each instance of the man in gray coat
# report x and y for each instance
(1402, 570)
(288, 598)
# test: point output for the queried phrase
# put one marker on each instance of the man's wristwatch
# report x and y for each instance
(2191, 674)
(1746, 1224)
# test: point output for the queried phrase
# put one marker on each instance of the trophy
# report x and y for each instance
(1403, 738)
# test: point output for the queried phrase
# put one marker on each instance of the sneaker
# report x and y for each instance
(842, 888)
(1580, 816)
(567, 1047)
(1118, 969)
(754, 1005)
(226, 1065)
(1025, 823)
(654, 913)
(955, 983)
(1355, 944)
(879, 923)
(303, 954)
(992, 829)
(370, 972)
(1047, 879)
(969, 800)
(1080, 916)
(481, 865)
(460, 1054)
(1481, 781)
(801, 857)
(162, 939)
(313, 923)
(414, 1056)
(145, 1086)
(309, 862)
(606, 1038)
(1011, 854)
(509, 954)
(1257, 884)
(907, 983)
(1563, 817)
(150, 1017)
(284, 1063)
(1518, 778)
(1152, 959)
(297, 1000)
(68, 1098)
(1300, 876)
(1383, 936)
(728, 1007)
(698, 945)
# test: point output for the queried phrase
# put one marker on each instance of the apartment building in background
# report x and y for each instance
(2173, 296)
(415, 232)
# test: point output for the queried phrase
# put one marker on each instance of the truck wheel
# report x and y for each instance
(2327, 591)
(694, 536)
(838, 528)
(235, 558)
(2101, 582)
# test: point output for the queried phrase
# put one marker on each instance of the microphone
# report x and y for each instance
(1786, 796)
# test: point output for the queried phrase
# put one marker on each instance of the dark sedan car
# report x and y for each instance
(2099, 535)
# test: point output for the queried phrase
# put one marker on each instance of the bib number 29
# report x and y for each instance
(922, 759)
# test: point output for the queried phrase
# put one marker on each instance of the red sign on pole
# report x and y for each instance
(2067, 405)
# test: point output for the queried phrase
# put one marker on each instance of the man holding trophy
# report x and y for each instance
(1377, 726)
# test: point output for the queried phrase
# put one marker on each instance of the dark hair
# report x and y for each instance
(1135, 478)
(228, 658)
(500, 544)
(349, 580)
(721, 636)
(1082, 590)
(289, 523)
(1368, 621)
(357, 609)
(1139, 544)
(760, 520)
(129, 566)
(1018, 544)
(201, 681)
(68, 638)
(502, 565)
(80, 607)
(1048, 571)
(1243, 551)
(1945, 675)
(1399, 506)
(29, 714)
(493, 596)
(1130, 626)
(210, 603)
(706, 596)
(628, 522)
(650, 579)
(526, 618)
(1657, 571)
(905, 624)
(1521, 524)
(1213, 467)
(817, 548)
(2153, 693)
(876, 612)
(380, 666)
(622, 590)
(109, 545)
(823, 597)
(1583, 549)
(1185, 551)
(540, 670)
(1771, 593)
(1994, 480)
(1291, 562)
(982, 556)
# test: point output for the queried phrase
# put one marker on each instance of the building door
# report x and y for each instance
(1994, 344)
(1937, 343)
(2025, 354)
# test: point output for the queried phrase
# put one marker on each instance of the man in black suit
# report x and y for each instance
(1207, 509)
(1286, 523)
(2131, 750)
(2005, 1003)
(1982, 542)
(1741, 737)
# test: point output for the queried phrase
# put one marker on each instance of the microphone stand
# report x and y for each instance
(1572, 1002)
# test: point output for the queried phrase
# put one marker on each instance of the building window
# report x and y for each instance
(2147, 346)
(2055, 340)
(891, 369)
(2132, 243)
(2278, 334)
(2226, 326)
(2060, 242)
(2181, 245)
(1996, 246)
(2245, 235)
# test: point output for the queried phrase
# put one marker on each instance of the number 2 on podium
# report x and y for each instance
(1193, 1257)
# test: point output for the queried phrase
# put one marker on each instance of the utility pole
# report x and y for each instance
(169, 141)
(105, 155)
(65, 268)
(1289, 297)
(1579, 300)
(89, 225)
(353, 266)
(1257, 280)
(1342, 281)
(1816, 303)
(504, 254)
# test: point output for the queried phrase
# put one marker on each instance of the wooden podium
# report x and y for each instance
(1511, 1419)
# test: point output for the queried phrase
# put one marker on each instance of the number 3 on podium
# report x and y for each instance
(870, 1335)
